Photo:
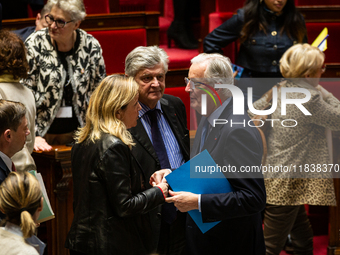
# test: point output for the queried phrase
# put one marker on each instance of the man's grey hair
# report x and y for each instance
(75, 8)
(218, 70)
(144, 58)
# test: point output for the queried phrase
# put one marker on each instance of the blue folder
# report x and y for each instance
(188, 177)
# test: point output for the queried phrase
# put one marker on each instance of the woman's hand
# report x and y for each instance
(40, 144)
(165, 188)
(158, 177)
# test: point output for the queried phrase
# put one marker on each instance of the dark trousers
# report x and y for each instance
(172, 237)
(279, 221)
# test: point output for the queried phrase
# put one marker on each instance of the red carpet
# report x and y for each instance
(320, 245)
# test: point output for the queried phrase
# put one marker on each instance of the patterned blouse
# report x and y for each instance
(46, 77)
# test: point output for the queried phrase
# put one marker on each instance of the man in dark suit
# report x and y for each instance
(161, 137)
(13, 132)
(40, 23)
(232, 143)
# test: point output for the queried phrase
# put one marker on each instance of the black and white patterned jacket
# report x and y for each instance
(46, 77)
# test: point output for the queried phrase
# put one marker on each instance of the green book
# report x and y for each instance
(47, 212)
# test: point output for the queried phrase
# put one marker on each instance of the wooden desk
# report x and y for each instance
(55, 168)
(108, 21)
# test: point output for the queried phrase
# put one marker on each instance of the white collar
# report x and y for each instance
(15, 229)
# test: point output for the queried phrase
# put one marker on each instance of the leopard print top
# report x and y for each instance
(304, 145)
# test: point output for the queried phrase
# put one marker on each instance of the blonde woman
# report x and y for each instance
(21, 201)
(305, 145)
(110, 199)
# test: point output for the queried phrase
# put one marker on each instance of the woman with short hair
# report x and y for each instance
(110, 198)
(300, 147)
(21, 201)
(65, 66)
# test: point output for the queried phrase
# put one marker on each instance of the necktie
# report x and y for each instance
(13, 167)
(204, 135)
(169, 213)
(157, 140)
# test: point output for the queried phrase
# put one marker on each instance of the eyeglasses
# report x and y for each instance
(193, 84)
(59, 22)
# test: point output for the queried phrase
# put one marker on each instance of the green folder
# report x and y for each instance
(47, 212)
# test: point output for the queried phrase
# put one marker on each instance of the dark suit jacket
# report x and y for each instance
(4, 172)
(240, 229)
(174, 111)
(24, 32)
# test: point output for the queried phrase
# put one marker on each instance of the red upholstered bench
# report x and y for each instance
(97, 6)
(184, 96)
(116, 44)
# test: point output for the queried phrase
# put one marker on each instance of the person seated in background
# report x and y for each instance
(14, 66)
(40, 23)
(65, 66)
(111, 200)
(161, 137)
(308, 143)
(21, 200)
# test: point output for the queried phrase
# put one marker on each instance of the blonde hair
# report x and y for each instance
(301, 60)
(114, 93)
(20, 197)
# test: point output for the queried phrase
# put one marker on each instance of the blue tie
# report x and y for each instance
(169, 213)
(204, 135)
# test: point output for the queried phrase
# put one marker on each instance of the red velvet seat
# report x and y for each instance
(138, 5)
(116, 44)
(228, 6)
(184, 96)
(97, 6)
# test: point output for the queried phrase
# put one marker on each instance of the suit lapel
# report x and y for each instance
(197, 140)
(4, 168)
(142, 137)
(215, 133)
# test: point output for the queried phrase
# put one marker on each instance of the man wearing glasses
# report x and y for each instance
(65, 66)
(237, 145)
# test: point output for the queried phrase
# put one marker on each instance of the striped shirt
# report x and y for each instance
(171, 145)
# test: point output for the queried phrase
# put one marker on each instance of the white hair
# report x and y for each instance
(142, 58)
(75, 8)
(218, 69)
